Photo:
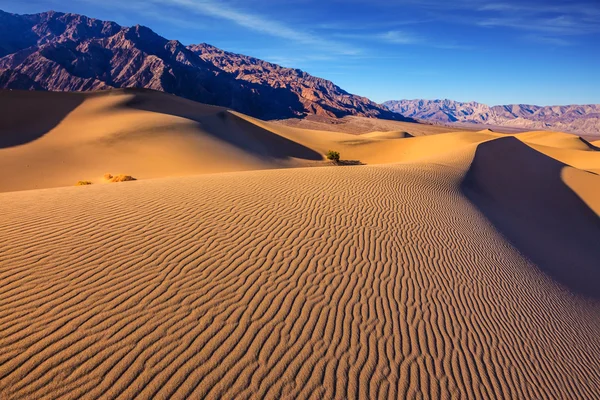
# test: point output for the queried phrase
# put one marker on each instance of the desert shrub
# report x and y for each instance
(83, 183)
(122, 178)
(118, 178)
(333, 156)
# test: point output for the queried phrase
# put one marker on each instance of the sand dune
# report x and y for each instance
(528, 198)
(387, 135)
(589, 144)
(371, 282)
(456, 265)
(146, 134)
(361, 125)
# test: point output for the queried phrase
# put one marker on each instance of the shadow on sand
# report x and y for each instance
(350, 162)
(223, 125)
(520, 190)
(590, 145)
(27, 116)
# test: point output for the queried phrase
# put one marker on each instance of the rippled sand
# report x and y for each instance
(464, 265)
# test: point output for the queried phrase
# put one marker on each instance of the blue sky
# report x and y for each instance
(494, 52)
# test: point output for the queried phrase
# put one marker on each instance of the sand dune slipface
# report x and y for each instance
(141, 133)
(525, 196)
(19, 126)
(350, 282)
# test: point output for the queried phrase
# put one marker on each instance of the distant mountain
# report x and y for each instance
(69, 52)
(581, 119)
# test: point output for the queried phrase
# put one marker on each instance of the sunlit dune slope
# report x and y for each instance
(56, 139)
(409, 280)
(145, 134)
(567, 148)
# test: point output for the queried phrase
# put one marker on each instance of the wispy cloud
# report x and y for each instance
(260, 24)
(553, 41)
(564, 25)
(397, 37)
(363, 26)
(553, 23)
(400, 37)
(549, 23)
(390, 37)
(221, 10)
(550, 17)
(582, 9)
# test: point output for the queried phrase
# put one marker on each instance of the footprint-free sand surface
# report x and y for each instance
(460, 265)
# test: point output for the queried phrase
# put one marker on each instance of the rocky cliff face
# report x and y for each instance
(69, 52)
(318, 96)
(581, 119)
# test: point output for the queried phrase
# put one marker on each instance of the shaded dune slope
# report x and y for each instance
(141, 133)
(223, 125)
(354, 282)
(589, 144)
(522, 191)
(50, 109)
(18, 126)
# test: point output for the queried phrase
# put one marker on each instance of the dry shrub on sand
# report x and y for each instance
(118, 178)
(83, 183)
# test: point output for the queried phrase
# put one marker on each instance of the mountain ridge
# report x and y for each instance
(70, 52)
(575, 118)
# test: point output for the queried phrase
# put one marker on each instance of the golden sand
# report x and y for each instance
(460, 265)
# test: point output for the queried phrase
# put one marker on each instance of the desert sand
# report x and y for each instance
(455, 265)
(147, 134)
(57, 139)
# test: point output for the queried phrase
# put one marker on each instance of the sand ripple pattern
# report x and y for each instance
(327, 283)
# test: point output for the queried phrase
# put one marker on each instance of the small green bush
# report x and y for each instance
(333, 156)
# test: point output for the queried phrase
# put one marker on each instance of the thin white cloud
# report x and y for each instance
(562, 25)
(364, 26)
(565, 9)
(551, 18)
(553, 41)
(399, 37)
(403, 38)
(392, 37)
(261, 24)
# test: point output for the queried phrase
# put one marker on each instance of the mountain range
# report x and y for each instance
(68, 52)
(581, 119)
(55, 51)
